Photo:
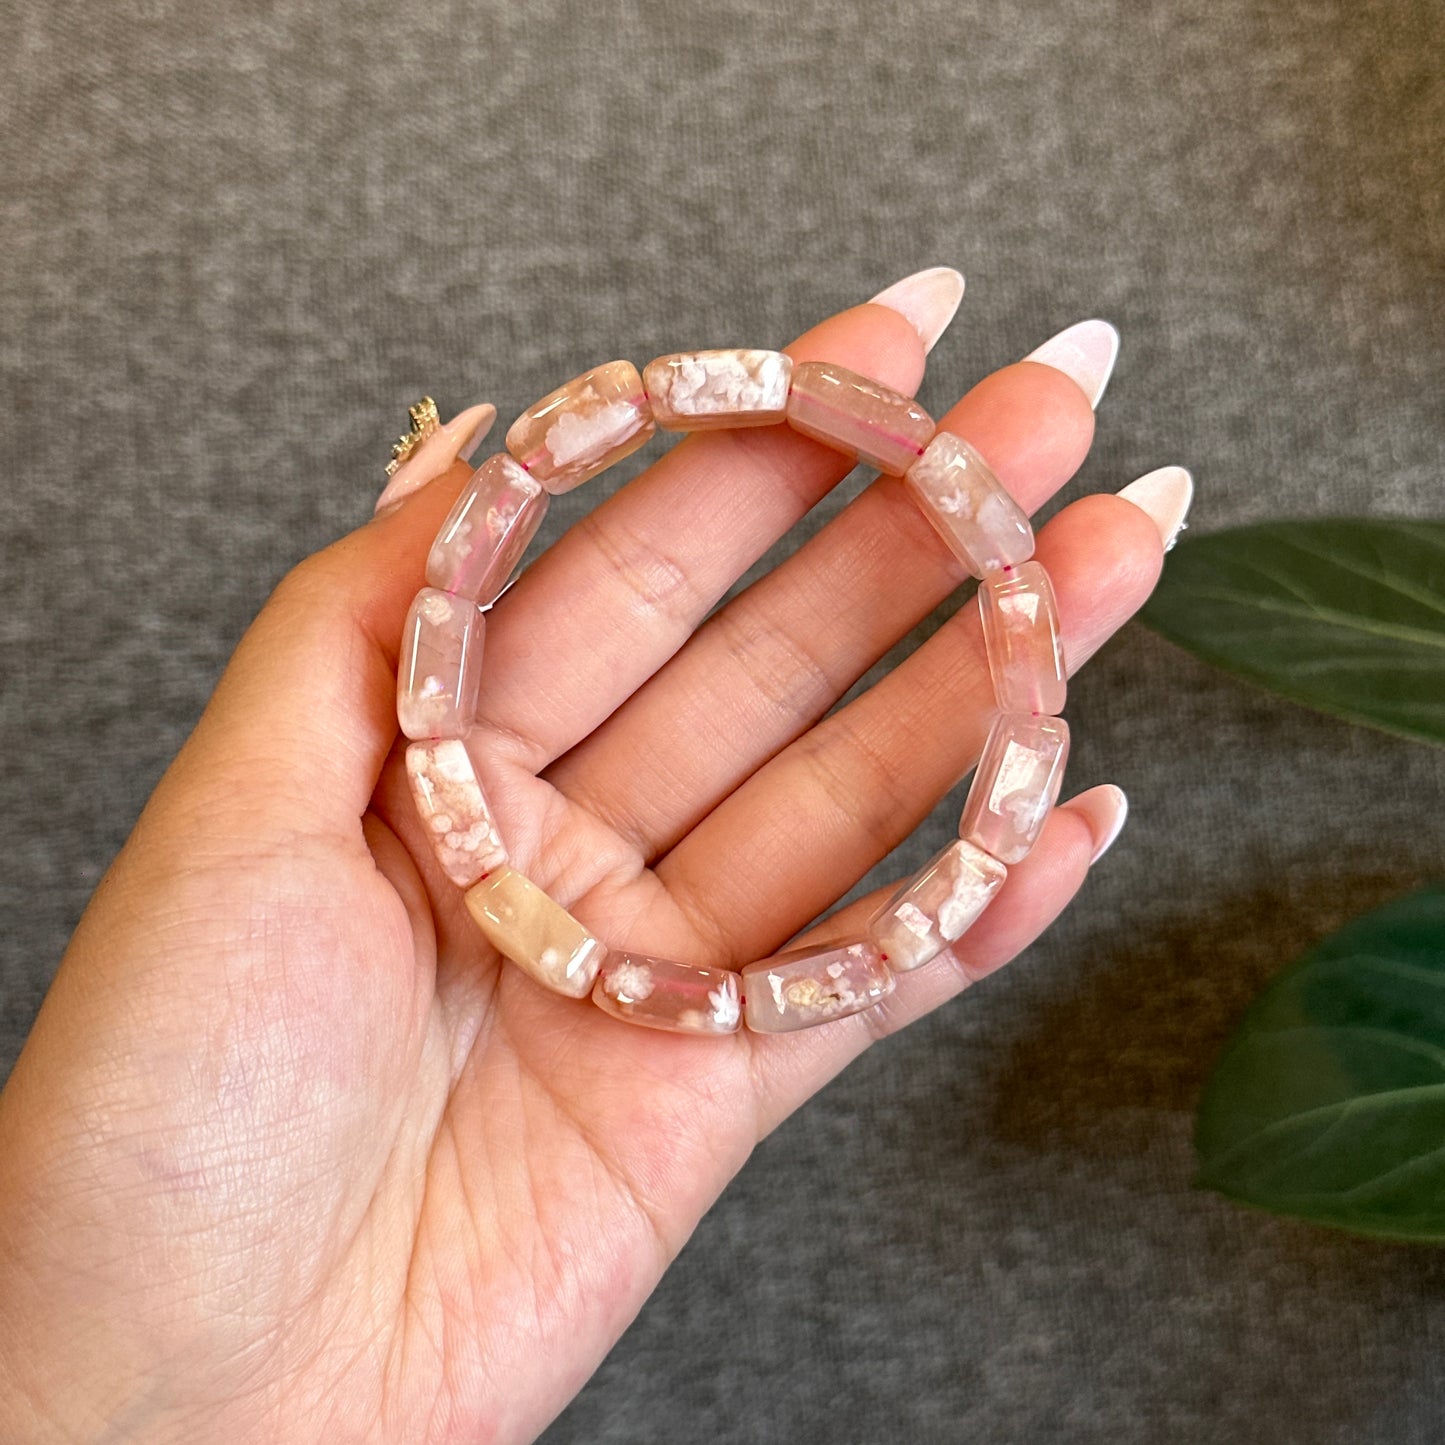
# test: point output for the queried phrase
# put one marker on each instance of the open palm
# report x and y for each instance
(291, 1154)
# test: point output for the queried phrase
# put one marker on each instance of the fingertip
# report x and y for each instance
(1032, 425)
(1105, 809)
(871, 339)
(1104, 558)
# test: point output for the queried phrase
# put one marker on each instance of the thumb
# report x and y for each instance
(304, 716)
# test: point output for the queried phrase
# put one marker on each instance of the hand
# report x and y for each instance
(290, 1155)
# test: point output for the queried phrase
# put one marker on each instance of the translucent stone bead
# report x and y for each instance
(806, 986)
(660, 994)
(539, 936)
(936, 906)
(957, 491)
(708, 390)
(1017, 782)
(453, 809)
(834, 405)
(485, 534)
(441, 666)
(1021, 633)
(582, 428)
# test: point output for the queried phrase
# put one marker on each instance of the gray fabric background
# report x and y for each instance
(238, 239)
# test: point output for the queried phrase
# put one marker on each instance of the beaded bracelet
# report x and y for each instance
(569, 437)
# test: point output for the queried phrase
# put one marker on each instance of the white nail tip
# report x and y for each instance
(1085, 353)
(1165, 495)
(928, 300)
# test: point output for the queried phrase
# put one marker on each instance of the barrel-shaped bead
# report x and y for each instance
(486, 532)
(855, 414)
(441, 665)
(522, 923)
(968, 507)
(1021, 634)
(1016, 783)
(936, 906)
(660, 994)
(453, 809)
(805, 986)
(582, 428)
(709, 390)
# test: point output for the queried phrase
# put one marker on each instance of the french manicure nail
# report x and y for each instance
(927, 300)
(1104, 808)
(1165, 495)
(460, 437)
(1085, 353)
(483, 426)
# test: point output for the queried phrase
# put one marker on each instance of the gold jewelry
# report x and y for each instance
(424, 421)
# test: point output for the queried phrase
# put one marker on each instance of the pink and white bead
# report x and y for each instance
(449, 798)
(855, 414)
(805, 986)
(660, 994)
(487, 531)
(710, 390)
(968, 507)
(1021, 636)
(441, 666)
(570, 436)
(1016, 783)
(582, 428)
(936, 906)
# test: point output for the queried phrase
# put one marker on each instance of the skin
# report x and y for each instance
(290, 1154)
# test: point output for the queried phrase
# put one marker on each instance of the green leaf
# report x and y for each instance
(1344, 614)
(1328, 1103)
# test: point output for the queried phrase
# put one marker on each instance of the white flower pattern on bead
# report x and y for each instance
(629, 981)
(726, 1004)
(703, 390)
(575, 438)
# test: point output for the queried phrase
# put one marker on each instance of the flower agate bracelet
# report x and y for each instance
(568, 438)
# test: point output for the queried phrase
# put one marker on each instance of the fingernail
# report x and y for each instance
(460, 437)
(1165, 494)
(1104, 808)
(1085, 353)
(927, 300)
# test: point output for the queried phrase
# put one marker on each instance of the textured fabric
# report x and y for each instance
(239, 238)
